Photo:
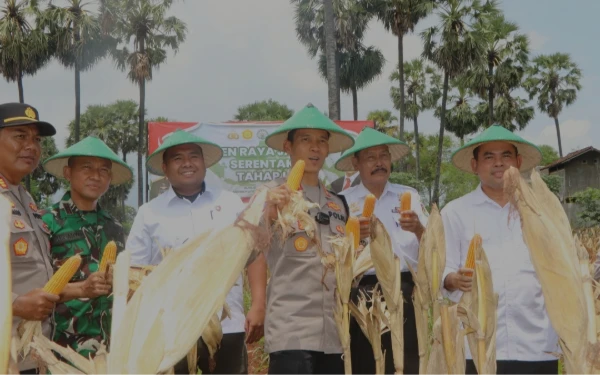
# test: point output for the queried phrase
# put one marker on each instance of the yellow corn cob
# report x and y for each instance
(59, 280)
(353, 226)
(470, 262)
(405, 201)
(109, 256)
(295, 177)
(369, 205)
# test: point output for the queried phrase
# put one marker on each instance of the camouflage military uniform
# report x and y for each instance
(81, 323)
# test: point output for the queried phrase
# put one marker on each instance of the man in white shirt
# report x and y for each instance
(188, 208)
(372, 156)
(524, 335)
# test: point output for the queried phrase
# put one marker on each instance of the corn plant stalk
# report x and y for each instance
(584, 265)
(372, 322)
(554, 258)
(387, 268)
(5, 285)
(447, 350)
(343, 248)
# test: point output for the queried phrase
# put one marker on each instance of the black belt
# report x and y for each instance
(369, 280)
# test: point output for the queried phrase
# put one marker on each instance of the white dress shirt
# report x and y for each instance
(387, 209)
(524, 332)
(169, 221)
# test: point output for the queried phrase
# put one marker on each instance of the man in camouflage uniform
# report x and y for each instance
(78, 225)
(20, 150)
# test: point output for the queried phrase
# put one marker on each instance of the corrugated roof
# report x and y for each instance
(570, 156)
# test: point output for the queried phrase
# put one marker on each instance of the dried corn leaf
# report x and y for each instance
(295, 213)
(371, 321)
(43, 353)
(5, 285)
(363, 262)
(343, 248)
(447, 351)
(553, 255)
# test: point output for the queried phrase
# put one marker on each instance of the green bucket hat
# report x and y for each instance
(531, 155)
(90, 146)
(367, 138)
(309, 117)
(211, 152)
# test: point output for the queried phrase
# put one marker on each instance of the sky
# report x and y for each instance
(238, 52)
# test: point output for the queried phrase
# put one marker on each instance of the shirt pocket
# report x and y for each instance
(299, 245)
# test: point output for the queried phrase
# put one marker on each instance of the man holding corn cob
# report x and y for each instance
(79, 226)
(300, 330)
(187, 209)
(20, 138)
(524, 336)
(372, 156)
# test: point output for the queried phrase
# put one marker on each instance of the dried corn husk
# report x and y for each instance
(295, 213)
(343, 248)
(5, 284)
(478, 312)
(588, 290)
(165, 321)
(447, 350)
(372, 321)
(553, 254)
(363, 262)
(387, 268)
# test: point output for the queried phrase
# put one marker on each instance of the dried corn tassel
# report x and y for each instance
(353, 231)
(476, 241)
(294, 179)
(109, 256)
(387, 268)
(372, 322)
(553, 254)
(344, 274)
(61, 278)
(369, 205)
(5, 285)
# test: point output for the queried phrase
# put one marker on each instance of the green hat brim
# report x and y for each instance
(368, 138)
(93, 147)
(211, 152)
(530, 154)
(310, 118)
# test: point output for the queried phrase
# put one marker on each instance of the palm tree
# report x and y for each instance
(80, 42)
(350, 21)
(423, 90)
(333, 78)
(454, 46)
(145, 23)
(466, 115)
(401, 17)
(554, 79)
(384, 120)
(358, 68)
(504, 63)
(510, 111)
(23, 49)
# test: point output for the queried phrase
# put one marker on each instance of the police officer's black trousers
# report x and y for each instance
(305, 362)
(519, 367)
(363, 361)
(230, 358)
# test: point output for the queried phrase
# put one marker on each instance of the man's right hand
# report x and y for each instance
(95, 285)
(35, 305)
(459, 280)
(277, 198)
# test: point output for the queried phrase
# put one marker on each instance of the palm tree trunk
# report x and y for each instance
(418, 157)
(20, 86)
(77, 86)
(355, 103)
(438, 167)
(491, 94)
(401, 164)
(560, 153)
(462, 140)
(142, 83)
(330, 54)
(147, 180)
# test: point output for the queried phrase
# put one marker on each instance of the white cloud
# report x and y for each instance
(536, 40)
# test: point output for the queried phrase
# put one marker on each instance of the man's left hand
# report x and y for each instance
(254, 326)
(409, 221)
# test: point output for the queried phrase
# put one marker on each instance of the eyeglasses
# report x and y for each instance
(322, 218)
